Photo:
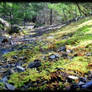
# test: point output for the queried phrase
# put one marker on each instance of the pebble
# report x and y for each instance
(83, 79)
(80, 84)
(5, 79)
(65, 37)
(20, 69)
(19, 63)
(7, 66)
(9, 86)
(69, 51)
(63, 48)
(15, 57)
(71, 77)
(64, 55)
(87, 85)
(53, 56)
(89, 75)
(88, 54)
(11, 71)
(69, 57)
(74, 86)
(59, 68)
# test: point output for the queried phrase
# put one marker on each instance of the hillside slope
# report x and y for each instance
(60, 59)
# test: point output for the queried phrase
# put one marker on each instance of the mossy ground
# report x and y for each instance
(80, 42)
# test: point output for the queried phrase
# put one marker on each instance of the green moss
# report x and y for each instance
(84, 28)
(79, 63)
(18, 79)
(45, 47)
(10, 54)
(1, 85)
(26, 32)
(43, 87)
(61, 85)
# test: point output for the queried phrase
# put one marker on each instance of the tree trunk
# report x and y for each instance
(50, 16)
(65, 18)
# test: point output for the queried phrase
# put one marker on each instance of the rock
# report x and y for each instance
(44, 57)
(73, 77)
(89, 72)
(1, 81)
(88, 54)
(87, 85)
(15, 29)
(60, 68)
(9, 86)
(11, 71)
(68, 88)
(89, 75)
(2, 70)
(7, 66)
(15, 57)
(4, 51)
(1, 67)
(21, 58)
(53, 57)
(50, 37)
(8, 72)
(83, 79)
(75, 55)
(64, 55)
(63, 48)
(69, 57)
(69, 51)
(65, 37)
(5, 40)
(20, 69)
(70, 78)
(19, 63)
(34, 64)
(4, 79)
(74, 86)
(12, 65)
(80, 84)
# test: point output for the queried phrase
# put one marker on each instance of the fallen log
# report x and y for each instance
(6, 25)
